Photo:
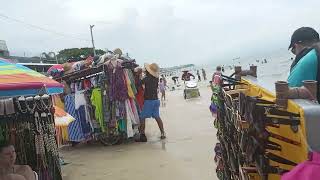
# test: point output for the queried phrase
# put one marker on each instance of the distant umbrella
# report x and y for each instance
(56, 70)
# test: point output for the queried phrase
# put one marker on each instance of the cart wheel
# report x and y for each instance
(110, 139)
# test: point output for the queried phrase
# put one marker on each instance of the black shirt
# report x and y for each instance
(151, 87)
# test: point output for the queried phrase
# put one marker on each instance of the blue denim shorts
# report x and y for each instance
(150, 109)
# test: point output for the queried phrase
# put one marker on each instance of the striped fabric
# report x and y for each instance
(18, 80)
(74, 128)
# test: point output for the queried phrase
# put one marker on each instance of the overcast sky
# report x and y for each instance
(169, 32)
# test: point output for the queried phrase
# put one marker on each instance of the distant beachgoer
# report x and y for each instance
(222, 69)
(204, 74)
(162, 88)
(198, 74)
(186, 76)
(175, 79)
(151, 107)
(164, 79)
(216, 77)
(305, 45)
(8, 169)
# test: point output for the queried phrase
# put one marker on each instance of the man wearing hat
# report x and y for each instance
(151, 107)
(305, 65)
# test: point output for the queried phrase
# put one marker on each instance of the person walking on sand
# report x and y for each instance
(198, 74)
(216, 77)
(162, 88)
(164, 79)
(151, 107)
(204, 74)
(305, 45)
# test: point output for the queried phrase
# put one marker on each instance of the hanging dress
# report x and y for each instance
(74, 129)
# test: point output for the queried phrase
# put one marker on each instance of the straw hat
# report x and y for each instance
(153, 69)
(118, 51)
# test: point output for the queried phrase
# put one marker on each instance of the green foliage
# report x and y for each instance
(75, 53)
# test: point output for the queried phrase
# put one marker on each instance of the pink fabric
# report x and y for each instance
(216, 79)
(308, 170)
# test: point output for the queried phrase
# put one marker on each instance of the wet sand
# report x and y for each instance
(186, 154)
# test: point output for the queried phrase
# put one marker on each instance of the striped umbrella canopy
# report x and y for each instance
(18, 80)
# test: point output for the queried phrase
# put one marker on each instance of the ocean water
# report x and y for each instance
(277, 68)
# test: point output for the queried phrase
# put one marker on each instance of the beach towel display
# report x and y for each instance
(102, 101)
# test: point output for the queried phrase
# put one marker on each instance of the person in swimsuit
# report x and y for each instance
(8, 169)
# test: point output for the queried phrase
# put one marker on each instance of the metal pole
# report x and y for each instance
(94, 50)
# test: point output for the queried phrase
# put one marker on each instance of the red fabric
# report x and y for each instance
(87, 84)
(140, 97)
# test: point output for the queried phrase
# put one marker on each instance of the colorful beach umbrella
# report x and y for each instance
(56, 70)
(18, 80)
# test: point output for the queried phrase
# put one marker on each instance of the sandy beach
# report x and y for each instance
(186, 154)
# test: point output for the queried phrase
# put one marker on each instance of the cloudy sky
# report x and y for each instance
(169, 32)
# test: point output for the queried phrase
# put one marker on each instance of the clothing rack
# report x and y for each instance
(81, 74)
(116, 115)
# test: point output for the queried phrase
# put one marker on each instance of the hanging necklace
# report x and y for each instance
(30, 99)
(43, 103)
(38, 102)
(19, 105)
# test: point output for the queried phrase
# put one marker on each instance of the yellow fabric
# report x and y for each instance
(291, 152)
(65, 134)
(128, 82)
(62, 135)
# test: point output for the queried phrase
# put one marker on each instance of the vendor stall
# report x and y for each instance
(26, 118)
(264, 131)
(102, 100)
